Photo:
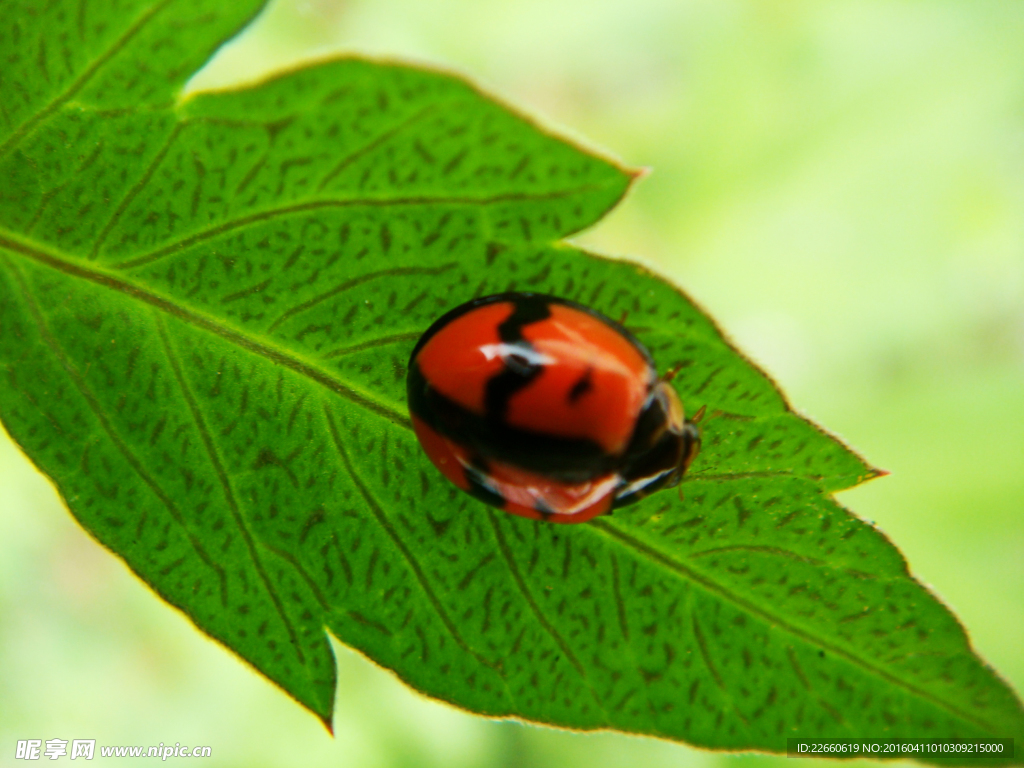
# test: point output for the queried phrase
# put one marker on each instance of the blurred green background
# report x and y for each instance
(840, 184)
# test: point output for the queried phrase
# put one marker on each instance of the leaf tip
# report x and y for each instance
(327, 721)
(640, 172)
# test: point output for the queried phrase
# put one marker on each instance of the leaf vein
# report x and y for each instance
(634, 663)
(294, 562)
(702, 644)
(122, 447)
(764, 614)
(726, 476)
(26, 127)
(134, 190)
(373, 144)
(517, 577)
(348, 284)
(807, 687)
(759, 548)
(225, 483)
(315, 205)
(389, 529)
(383, 341)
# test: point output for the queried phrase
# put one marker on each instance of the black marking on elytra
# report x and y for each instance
(520, 369)
(521, 363)
(564, 459)
(519, 298)
(582, 386)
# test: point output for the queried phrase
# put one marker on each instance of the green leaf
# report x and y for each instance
(206, 309)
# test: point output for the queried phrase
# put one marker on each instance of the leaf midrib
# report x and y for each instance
(679, 569)
(265, 349)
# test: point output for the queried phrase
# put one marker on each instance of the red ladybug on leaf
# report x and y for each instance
(546, 408)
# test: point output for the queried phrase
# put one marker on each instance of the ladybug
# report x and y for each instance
(545, 408)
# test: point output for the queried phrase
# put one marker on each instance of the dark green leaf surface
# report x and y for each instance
(206, 308)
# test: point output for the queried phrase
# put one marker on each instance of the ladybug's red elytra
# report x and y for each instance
(545, 408)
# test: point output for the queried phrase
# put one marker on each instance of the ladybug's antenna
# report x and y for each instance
(671, 372)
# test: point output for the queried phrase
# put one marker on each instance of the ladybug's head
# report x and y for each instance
(691, 441)
(664, 444)
(686, 431)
